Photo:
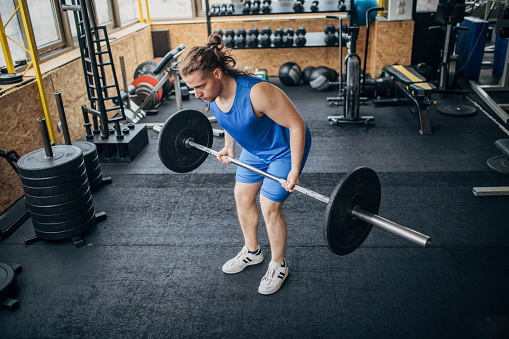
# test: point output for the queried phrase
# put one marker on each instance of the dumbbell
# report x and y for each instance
(230, 9)
(266, 6)
(330, 34)
(264, 37)
(278, 37)
(341, 5)
(240, 38)
(214, 10)
(314, 6)
(288, 37)
(228, 37)
(218, 31)
(300, 39)
(222, 11)
(246, 8)
(252, 37)
(298, 6)
(255, 7)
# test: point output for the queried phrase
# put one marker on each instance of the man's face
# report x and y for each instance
(206, 85)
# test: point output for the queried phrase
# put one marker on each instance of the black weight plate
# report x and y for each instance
(62, 207)
(35, 164)
(53, 180)
(57, 189)
(89, 150)
(10, 78)
(65, 225)
(61, 217)
(93, 169)
(182, 125)
(456, 110)
(360, 187)
(142, 94)
(7, 280)
(499, 164)
(96, 182)
(144, 68)
(57, 199)
(61, 235)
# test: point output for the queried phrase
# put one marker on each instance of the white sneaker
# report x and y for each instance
(274, 278)
(242, 260)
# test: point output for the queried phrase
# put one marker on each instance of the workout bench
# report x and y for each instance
(411, 88)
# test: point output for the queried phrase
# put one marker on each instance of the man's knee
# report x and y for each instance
(245, 193)
(270, 208)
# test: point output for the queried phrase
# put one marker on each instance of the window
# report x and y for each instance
(128, 10)
(12, 30)
(170, 9)
(55, 29)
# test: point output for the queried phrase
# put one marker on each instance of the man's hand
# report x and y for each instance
(291, 180)
(225, 152)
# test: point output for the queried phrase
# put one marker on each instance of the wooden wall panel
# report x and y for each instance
(20, 104)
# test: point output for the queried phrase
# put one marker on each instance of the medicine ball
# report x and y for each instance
(321, 77)
(290, 74)
(306, 73)
(361, 8)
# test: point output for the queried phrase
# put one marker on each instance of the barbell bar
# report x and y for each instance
(351, 208)
(357, 213)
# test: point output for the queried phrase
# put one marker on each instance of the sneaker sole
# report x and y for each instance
(272, 292)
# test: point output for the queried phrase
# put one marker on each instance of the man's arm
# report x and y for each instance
(228, 149)
(269, 100)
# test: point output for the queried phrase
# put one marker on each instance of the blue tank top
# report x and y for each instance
(260, 136)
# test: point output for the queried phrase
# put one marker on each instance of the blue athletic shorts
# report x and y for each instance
(279, 168)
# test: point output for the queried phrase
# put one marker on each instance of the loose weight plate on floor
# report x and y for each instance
(36, 165)
(7, 280)
(183, 125)
(456, 110)
(344, 234)
(499, 164)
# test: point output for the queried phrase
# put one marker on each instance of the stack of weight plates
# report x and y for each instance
(57, 192)
(92, 164)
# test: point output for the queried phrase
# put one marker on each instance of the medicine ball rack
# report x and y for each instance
(287, 7)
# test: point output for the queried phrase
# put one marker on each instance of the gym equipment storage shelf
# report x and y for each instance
(280, 7)
(313, 39)
(277, 7)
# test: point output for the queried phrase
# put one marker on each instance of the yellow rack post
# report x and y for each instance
(5, 46)
(140, 8)
(22, 7)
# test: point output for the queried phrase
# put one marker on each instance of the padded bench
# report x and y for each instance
(414, 89)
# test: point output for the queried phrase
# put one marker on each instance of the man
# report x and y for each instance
(274, 138)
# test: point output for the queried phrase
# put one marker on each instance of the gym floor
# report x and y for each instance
(152, 269)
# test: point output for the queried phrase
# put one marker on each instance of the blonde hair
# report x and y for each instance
(207, 58)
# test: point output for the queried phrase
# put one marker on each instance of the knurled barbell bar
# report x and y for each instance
(351, 208)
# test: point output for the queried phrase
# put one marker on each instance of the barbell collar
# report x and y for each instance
(392, 227)
(190, 143)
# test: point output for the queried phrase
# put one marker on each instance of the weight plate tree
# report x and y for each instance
(57, 190)
(351, 208)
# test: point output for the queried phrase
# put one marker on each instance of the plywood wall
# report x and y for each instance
(20, 105)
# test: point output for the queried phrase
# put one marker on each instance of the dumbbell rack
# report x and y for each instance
(313, 39)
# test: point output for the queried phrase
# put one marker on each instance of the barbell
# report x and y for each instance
(184, 144)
